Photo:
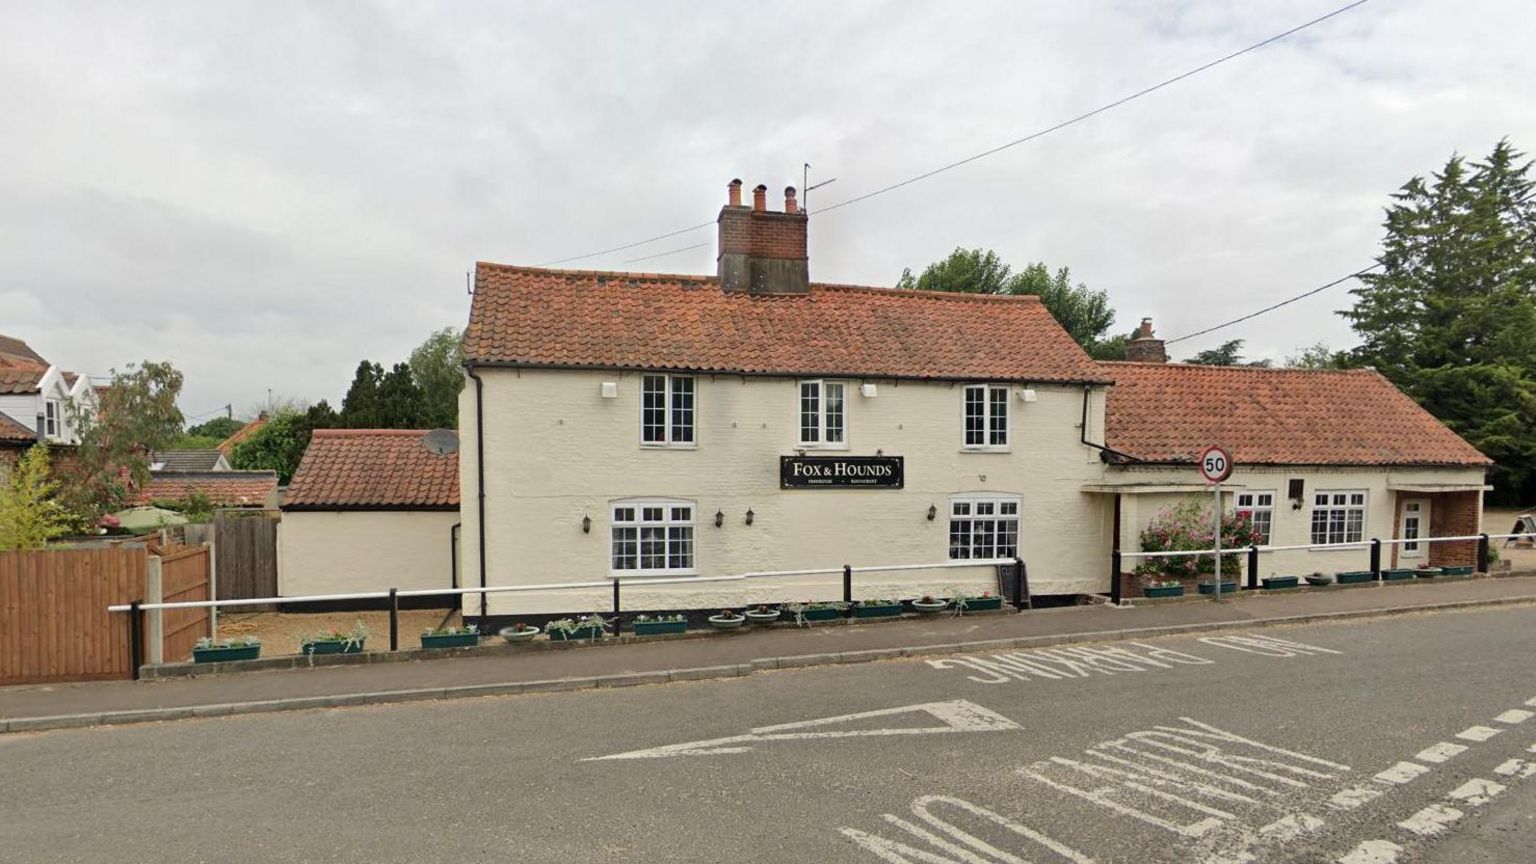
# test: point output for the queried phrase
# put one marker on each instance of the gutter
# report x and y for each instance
(469, 369)
(804, 373)
(1108, 454)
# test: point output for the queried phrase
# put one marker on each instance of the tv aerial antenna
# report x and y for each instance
(806, 187)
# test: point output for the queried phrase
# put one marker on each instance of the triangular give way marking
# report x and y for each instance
(954, 716)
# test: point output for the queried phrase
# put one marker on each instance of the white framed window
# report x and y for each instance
(823, 414)
(985, 412)
(652, 538)
(984, 526)
(51, 418)
(1259, 506)
(1338, 516)
(666, 410)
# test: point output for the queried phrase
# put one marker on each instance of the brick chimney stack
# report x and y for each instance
(1144, 347)
(762, 251)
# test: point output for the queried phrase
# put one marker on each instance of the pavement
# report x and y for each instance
(32, 708)
(1353, 741)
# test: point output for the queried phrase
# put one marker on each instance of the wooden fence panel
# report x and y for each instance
(54, 623)
(183, 577)
(247, 555)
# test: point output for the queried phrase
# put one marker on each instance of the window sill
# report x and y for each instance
(641, 575)
(645, 446)
(1002, 449)
(834, 447)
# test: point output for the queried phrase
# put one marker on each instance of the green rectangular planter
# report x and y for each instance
(329, 647)
(582, 635)
(224, 655)
(1210, 587)
(659, 628)
(1396, 575)
(890, 611)
(1353, 577)
(983, 604)
(1274, 582)
(820, 614)
(451, 640)
(1465, 570)
(1165, 590)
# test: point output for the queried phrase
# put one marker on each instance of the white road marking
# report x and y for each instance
(1517, 768)
(1513, 715)
(898, 852)
(1478, 733)
(1441, 752)
(1291, 827)
(1402, 772)
(1531, 701)
(1372, 852)
(1353, 797)
(956, 716)
(1269, 646)
(1431, 820)
(1476, 792)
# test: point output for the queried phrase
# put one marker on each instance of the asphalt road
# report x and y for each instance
(1404, 739)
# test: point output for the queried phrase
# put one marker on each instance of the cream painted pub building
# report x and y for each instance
(664, 426)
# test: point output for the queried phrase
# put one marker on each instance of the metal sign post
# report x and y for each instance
(1216, 466)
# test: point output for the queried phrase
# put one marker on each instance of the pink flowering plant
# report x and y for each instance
(1186, 527)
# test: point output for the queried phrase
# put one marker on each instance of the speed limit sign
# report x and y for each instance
(1215, 464)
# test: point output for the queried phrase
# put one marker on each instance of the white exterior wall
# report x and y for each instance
(556, 451)
(1292, 527)
(345, 551)
(24, 407)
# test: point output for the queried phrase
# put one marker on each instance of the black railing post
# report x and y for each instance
(394, 619)
(1114, 577)
(617, 625)
(136, 636)
(847, 583)
(1253, 567)
(1376, 558)
(1482, 553)
(1020, 584)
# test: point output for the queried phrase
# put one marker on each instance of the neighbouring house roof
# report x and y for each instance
(373, 469)
(1169, 412)
(573, 318)
(13, 433)
(227, 446)
(21, 368)
(15, 349)
(223, 488)
(188, 460)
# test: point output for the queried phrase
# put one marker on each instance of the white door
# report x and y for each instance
(1415, 525)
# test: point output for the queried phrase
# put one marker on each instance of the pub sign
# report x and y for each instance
(840, 472)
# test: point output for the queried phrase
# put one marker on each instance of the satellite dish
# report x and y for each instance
(441, 442)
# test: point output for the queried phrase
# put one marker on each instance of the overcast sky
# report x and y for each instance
(264, 193)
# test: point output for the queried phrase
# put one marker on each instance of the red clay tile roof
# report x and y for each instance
(12, 348)
(1169, 412)
(363, 469)
(12, 432)
(227, 446)
(537, 317)
(223, 488)
(20, 379)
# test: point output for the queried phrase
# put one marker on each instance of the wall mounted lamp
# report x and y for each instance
(586, 524)
(933, 512)
(719, 518)
(750, 515)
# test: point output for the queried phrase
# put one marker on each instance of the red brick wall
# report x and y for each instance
(762, 233)
(1454, 514)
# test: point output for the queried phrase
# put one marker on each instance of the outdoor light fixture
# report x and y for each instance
(750, 515)
(719, 518)
(869, 391)
(933, 512)
(586, 524)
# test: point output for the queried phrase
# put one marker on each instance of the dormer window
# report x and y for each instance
(666, 410)
(986, 417)
(51, 418)
(823, 421)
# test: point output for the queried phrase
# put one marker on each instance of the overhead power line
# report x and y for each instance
(665, 254)
(1302, 296)
(1109, 106)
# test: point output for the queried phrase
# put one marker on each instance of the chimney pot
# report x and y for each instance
(760, 197)
(735, 192)
(790, 205)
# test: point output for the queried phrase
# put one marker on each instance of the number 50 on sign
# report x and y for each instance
(1215, 464)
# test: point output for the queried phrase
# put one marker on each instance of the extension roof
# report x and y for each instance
(525, 316)
(12, 432)
(188, 460)
(373, 469)
(1169, 412)
(227, 446)
(223, 488)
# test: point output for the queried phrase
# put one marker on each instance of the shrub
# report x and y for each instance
(1186, 527)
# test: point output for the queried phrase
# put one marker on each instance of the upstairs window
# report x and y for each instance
(652, 538)
(823, 421)
(986, 417)
(51, 418)
(666, 410)
(1338, 517)
(1259, 507)
(984, 527)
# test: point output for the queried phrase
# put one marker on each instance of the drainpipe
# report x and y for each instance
(1106, 453)
(479, 473)
(453, 554)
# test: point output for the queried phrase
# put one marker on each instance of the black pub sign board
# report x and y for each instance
(840, 472)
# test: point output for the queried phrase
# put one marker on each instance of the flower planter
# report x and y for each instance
(1428, 572)
(1397, 575)
(331, 646)
(983, 604)
(820, 614)
(1318, 580)
(660, 628)
(888, 610)
(1226, 587)
(1462, 570)
(218, 654)
(514, 635)
(450, 640)
(1164, 591)
(1354, 577)
(1274, 582)
(577, 635)
(930, 608)
(757, 617)
(723, 622)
